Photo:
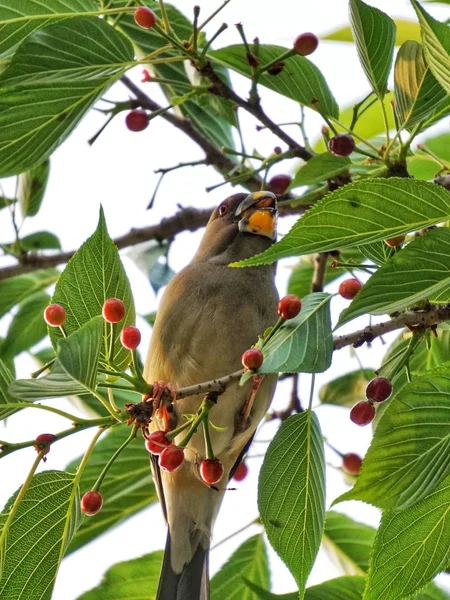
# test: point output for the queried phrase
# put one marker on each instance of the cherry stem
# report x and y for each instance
(273, 62)
(202, 414)
(172, 434)
(208, 445)
(110, 462)
(257, 521)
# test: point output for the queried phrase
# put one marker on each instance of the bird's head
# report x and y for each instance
(241, 226)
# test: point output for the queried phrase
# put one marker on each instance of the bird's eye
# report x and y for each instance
(223, 209)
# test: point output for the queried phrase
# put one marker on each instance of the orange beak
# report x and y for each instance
(258, 214)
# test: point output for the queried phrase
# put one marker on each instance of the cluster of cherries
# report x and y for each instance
(377, 390)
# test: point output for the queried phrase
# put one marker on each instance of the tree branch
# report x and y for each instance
(186, 219)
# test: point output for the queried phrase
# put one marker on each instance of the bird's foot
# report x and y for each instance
(244, 415)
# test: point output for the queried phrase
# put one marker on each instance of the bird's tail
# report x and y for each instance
(193, 581)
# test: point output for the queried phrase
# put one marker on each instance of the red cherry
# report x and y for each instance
(349, 288)
(136, 120)
(171, 458)
(211, 470)
(130, 337)
(91, 503)
(395, 241)
(379, 389)
(145, 76)
(144, 17)
(351, 463)
(342, 144)
(289, 306)
(55, 315)
(44, 441)
(156, 442)
(113, 310)
(306, 43)
(252, 359)
(241, 472)
(279, 184)
(362, 413)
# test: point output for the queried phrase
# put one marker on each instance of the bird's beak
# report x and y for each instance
(258, 214)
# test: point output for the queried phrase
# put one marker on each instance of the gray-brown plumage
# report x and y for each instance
(209, 315)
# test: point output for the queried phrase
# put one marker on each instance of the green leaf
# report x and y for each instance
(34, 544)
(346, 389)
(32, 185)
(41, 240)
(16, 289)
(54, 78)
(417, 93)
(361, 213)
(405, 30)
(247, 563)
(135, 579)
(79, 353)
(27, 327)
(341, 588)
(374, 34)
(33, 14)
(397, 284)
(303, 344)
(291, 493)
(423, 166)
(266, 595)
(432, 592)
(378, 252)
(411, 547)
(92, 275)
(75, 369)
(126, 489)
(422, 359)
(320, 168)
(410, 453)
(300, 79)
(436, 43)
(6, 378)
(348, 543)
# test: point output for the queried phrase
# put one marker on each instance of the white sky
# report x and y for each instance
(118, 171)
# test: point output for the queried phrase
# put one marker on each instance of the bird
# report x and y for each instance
(209, 315)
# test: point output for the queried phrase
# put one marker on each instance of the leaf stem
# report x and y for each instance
(110, 462)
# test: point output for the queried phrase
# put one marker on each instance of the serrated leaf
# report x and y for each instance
(420, 270)
(92, 275)
(405, 30)
(422, 358)
(27, 327)
(374, 34)
(135, 579)
(126, 489)
(346, 389)
(33, 14)
(6, 378)
(417, 93)
(411, 547)
(74, 371)
(378, 252)
(247, 563)
(432, 592)
(361, 212)
(16, 289)
(33, 546)
(410, 453)
(54, 78)
(320, 168)
(300, 79)
(32, 185)
(79, 353)
(303, 344)
(348, 543)
(436, 42)
(341, 588)
(291, 493)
